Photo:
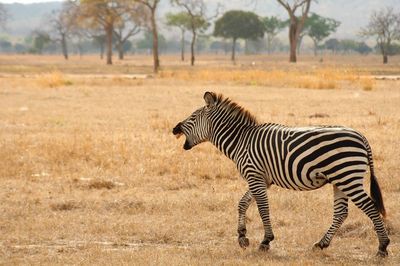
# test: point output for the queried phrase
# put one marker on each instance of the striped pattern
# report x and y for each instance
(294, 158)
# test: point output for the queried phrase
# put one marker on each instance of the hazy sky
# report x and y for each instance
(25, 1)
(353, 14)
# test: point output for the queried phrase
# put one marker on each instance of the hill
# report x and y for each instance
(27, 17)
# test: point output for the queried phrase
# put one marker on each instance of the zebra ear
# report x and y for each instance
(210, 98)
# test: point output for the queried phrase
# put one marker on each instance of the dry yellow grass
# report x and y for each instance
(367, 83)
(316, 78)
(91, 174)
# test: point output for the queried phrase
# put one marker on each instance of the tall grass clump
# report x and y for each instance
(367, 83)
(54, 79)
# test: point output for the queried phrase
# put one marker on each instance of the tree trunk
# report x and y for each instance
(192, 48)
(109, 34)
(384, 46)
(299, 43)
(64, 46)
(226, 48)
(293, 42)
(156, 61)
(233, 49)
(296, 25)
(101, 50)
(120, 48)
(80, 50)
(315, 48)
(269, 44)
(183, 46)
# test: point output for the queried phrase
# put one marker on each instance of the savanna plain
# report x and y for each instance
(90, 172)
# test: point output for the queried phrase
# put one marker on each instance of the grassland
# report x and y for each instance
(91, 174)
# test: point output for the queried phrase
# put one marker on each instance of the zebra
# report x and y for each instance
(298, 158)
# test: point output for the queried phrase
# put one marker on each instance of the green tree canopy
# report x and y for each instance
(363, 48)
(332, 44)
(147, 41)
(237, 24)
(180, 20)
(40, 40)
(347, 45)
(319, 28)
(272, 26)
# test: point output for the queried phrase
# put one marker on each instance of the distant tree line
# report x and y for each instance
(110, 25)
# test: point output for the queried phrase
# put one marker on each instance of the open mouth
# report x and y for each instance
(187, 146)
(177, 131)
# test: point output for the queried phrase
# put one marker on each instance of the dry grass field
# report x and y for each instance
(91, 174)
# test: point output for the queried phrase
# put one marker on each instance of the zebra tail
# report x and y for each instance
(376, 195)
(375, 189)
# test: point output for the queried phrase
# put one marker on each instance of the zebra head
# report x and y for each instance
(197, 127)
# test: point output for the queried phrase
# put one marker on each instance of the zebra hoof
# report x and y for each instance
(263, 247)
(319, 246)
(382, 253)
(243, 242)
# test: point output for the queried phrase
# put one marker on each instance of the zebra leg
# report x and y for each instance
(355, 191)
(258, 189)
(340, 211)
(244, 204)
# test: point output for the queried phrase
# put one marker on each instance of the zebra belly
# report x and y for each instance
(302, 183)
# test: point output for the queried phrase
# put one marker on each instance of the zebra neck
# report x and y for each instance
(230, 137)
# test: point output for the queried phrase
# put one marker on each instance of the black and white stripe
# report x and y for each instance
(295, 158)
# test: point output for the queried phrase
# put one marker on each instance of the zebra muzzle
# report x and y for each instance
(177, 131)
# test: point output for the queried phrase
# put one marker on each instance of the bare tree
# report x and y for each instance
(121, 38)
(296, 23)
(99, 40)
(104, 13)
(152, 7)
(60, 29)
(82, 28)
(196, 10)
(3, 16)
(61, 23)
(385, 26)
(128, 26)
(79, 32)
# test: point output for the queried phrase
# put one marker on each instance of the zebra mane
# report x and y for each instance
(234, 109)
